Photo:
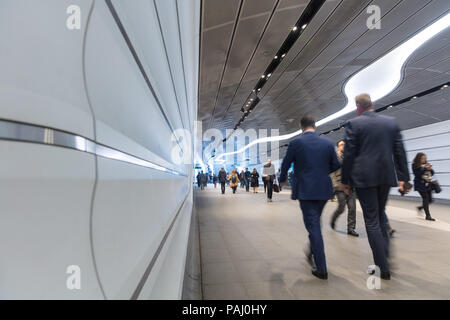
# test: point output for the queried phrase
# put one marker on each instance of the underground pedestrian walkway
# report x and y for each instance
(251, 249)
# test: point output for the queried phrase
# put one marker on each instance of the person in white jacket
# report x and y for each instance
(268, 175)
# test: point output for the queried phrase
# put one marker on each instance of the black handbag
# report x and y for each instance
(276, 188)
(435, 186)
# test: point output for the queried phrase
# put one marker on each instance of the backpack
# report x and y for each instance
(233, 179)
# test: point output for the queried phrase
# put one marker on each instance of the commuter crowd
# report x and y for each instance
(244, 179)
(368, 162)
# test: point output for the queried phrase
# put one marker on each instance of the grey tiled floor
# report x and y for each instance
(251, 249)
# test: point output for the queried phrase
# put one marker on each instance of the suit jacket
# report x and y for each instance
(374, 154)
(314, 158)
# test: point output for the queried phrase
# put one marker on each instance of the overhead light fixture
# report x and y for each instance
(259, 89)
(304, 26)
(444, 86)
(294, 28)
(390, 106)
(263, 76)
(276, 57)
(413, 98)
(283, 55)
(268, 76)
(378, 79)
(251, 99)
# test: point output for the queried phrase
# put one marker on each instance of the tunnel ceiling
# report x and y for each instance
(239, 38)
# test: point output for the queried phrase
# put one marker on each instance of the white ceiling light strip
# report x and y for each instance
(377, 79)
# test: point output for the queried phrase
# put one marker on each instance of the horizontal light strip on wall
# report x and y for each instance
(25, 132)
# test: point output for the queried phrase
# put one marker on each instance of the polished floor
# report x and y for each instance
(251, 249)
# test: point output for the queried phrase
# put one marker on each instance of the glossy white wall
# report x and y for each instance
(125, 225)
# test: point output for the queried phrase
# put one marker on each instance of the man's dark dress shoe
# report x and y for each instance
(385, 275)
(320, 274)
(430, 218)
(353, 233)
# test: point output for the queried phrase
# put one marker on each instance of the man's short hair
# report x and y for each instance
(364, 100)
(307, 121)
(339, 141)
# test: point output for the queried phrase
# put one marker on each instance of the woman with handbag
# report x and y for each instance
(234, 180)
(423, 183)
(254, 178)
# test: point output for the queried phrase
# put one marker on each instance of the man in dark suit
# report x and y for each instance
(314, 159)
(374, 161)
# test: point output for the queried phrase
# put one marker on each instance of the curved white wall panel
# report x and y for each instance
(41, 65)
(121, 100)
(133, 208)
(45, 196)
(115, 204)
(140, 19)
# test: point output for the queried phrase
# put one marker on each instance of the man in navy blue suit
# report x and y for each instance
(314, 158)
(374, 161)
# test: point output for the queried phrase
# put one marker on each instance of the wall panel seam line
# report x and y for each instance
(426, 136)
(152, 263)
(94, 128)
(182, 64)
(139, 63)
(168, 64)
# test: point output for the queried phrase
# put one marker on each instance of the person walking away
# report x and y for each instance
(198, 179)
(423, 173)
(254, 177)
(278, 177)
(269, 175)
(247, 174)
(214, 180)
(222, 179)
(314, 159)
(374, 161)
(342, 197)
(234, 180)
(202, 180)
(242, 178)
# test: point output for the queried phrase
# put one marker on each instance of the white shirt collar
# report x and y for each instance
(309, 130)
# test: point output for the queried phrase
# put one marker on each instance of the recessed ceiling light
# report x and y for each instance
(276, 57)
(283, 55)
(444, 86)
(268, 76)
(259, 89)
(253, 90)
(251, 99)
(414, 97)
(304, 26)
(263, 76)
(294, 28)
(390, 106)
